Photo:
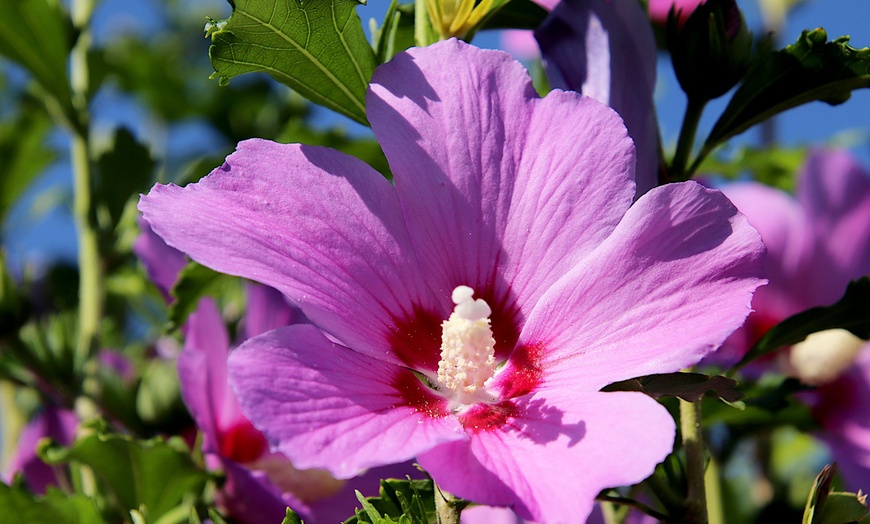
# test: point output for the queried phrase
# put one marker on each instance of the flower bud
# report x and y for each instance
(711, 50)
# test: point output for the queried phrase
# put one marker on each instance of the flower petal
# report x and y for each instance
(268, 309)
(835, 193)
(671, 283)
(502, 191)
(325, 406)
(202, 374)
(56, 423)
(249, 496)
(606, 50)
(322, 227)
(162, 263)
(553, 459)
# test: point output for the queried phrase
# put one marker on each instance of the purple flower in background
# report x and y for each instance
(816, 244)
(52, 422)
(259, 484)
(469, 314)
(606, 50)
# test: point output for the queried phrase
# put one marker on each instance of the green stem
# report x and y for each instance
(694, 110)
(693, 445)
(91, 286)
(447, 507)
(713, 483)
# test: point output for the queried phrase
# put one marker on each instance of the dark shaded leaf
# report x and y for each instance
(690, 387)
(36, 35)
(852, 312)
(517, 14)
(123, 172)
(810, 69)
(819, 494)
(316, 47)
(194, 282)
(843, 508)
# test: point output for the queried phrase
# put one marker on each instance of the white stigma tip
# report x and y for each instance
(462, 294)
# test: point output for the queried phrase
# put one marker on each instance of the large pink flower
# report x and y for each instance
(527, 201)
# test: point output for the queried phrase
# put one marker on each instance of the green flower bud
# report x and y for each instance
(711, 50)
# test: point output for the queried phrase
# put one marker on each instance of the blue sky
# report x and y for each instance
(53, 234)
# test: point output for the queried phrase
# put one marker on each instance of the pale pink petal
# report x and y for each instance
(326, 406)
(489, 515)
(322, 227)
(606, 50)
(502, 191)
(671, 283)
(560, 451)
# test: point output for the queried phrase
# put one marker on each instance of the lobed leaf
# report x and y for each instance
(20, 506)
(810, 69)
(316, 47)
(690, 387)
(156, 475)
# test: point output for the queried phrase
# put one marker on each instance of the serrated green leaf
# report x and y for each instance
(18, 506)
(409, 501)
(156, 475)
(810, 69)
(690, 387)
(316, 47)
(194, 282)
(35, 34)
(843, 508)
(852, 313)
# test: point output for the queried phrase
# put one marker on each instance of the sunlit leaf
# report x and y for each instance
(194, 282)
(155, 475)
(402, 501)
(810, 69)
(18, 506)
(316, 47)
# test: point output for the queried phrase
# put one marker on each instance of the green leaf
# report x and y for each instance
(690, 387)
(852, 312)
(291, 518)
(517, 14)
(194, 282)
(23, 152)
(158, 399)
(772, 166)
(403, 501)
(843, 508)
(810, 69)
(18, 506)
(36, 35)
(819, 494)
(123, 172)
(316, 47)
(154, 476)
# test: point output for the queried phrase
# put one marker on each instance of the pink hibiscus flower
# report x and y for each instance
(469, 314)
(816, 244)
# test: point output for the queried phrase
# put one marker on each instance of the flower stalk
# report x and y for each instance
(694, 110)
(693, 444)
(447, 507)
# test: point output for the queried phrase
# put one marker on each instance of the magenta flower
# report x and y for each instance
(659, 9)
(469, 313)
(816, 244)
(52, 422)
(606, 50)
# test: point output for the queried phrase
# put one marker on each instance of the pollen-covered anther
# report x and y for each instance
(467, 345)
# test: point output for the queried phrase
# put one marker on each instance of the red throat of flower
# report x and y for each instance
(474, 376)
(242, 443)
